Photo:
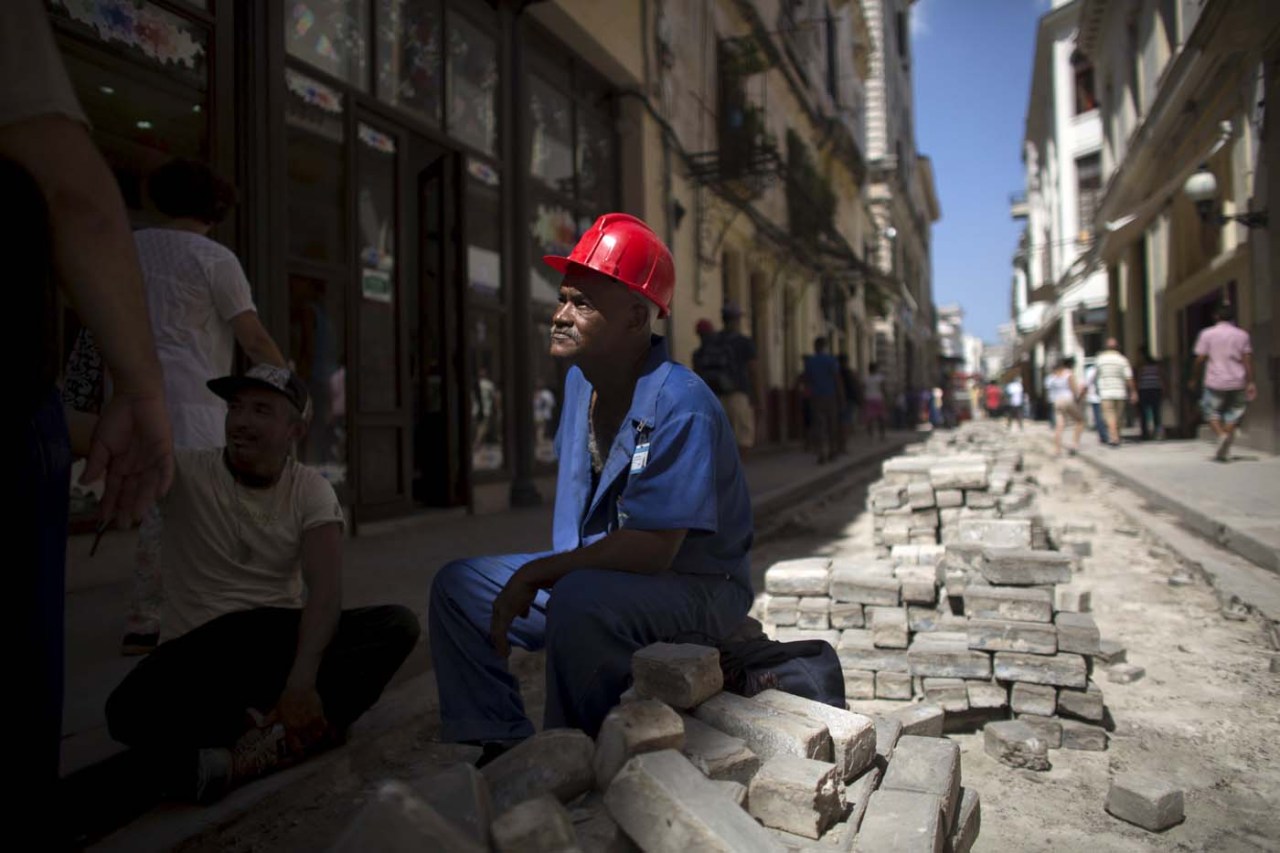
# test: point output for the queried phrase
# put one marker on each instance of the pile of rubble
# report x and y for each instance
(960, 603)
(682, 765)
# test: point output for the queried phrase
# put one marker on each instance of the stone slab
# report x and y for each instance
(1016, 744)
(1078, 633)
(888, 627)
(893, 685)
(1004, 635)
(808, 576)
(853, 735)
(1049, 729)
(679, 674)
(926, 765)
(1023, 566)
(797, 795)
(1039, 699)
(968, 822)
(1084, 704)
(924, 720)
(1017, 603)
(628, 730)
(902, 822)
(555, 761)
(666, 806)
(539, 825)
(1145, 799)
(947, 655)
(1083, 736)
(1060, 670)
(994, 533)
(717, 755)
(766, 731)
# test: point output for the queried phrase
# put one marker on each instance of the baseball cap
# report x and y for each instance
(704, 327)
(278, 379)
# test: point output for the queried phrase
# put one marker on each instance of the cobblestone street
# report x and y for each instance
(1202, 717)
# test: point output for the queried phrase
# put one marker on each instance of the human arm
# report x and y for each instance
(641, 552)
(255, 340)
(96, 264)
(299, 707)
(1250, 389)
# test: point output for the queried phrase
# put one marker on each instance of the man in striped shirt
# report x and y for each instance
(1115, 386)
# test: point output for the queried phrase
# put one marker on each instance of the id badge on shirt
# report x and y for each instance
(640, 457)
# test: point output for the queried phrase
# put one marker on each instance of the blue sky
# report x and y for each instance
(972, 66)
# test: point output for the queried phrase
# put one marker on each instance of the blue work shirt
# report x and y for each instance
(673, 465)
(821, 373)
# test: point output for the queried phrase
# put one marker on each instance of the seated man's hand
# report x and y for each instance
(301, 712)
(514, 601)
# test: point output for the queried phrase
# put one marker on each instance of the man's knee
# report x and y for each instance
(453, 582)
(576, 605)
(400, 628)
(126, 712)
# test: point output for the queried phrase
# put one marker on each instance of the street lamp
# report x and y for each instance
(1202, 189)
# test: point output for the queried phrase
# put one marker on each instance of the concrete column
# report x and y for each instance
(513, 103)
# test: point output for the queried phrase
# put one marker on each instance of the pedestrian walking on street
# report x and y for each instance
(1064, 396)
(1150, 396)
(852, 400)
(1225, 354)
(1095, 402)
(1115, 387)
(652, 523)
(201, 306)
(826, 399)
(874, 394)
(993, 399)
(1014, 398)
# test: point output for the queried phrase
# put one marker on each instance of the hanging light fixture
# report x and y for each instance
(1202, 188)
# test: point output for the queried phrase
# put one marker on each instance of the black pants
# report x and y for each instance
(193, 691)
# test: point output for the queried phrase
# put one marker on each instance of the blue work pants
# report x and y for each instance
(590, 624)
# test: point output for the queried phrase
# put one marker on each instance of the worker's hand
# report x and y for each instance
(1251, 392)
(133, 446)
(301, 712)
(513, 602)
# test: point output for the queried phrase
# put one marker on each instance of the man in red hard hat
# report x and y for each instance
(652, 519)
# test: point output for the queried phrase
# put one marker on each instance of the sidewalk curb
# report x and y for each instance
(1242, 543)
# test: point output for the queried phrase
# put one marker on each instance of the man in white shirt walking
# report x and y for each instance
(1115, 387)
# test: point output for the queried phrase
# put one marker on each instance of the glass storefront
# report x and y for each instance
(388, 125)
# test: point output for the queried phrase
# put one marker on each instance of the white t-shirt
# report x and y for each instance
(873, 387)
(1013, 393)
(229, 548)
(194, 287)
(1091, 386)
(1058, 387)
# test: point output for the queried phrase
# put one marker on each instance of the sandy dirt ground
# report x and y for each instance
(1206, 715)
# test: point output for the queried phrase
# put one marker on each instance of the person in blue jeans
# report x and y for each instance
(652, 523)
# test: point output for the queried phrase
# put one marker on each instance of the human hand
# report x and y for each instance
(132, 446)
(1251, 392)
(514, 601)
(301, 712)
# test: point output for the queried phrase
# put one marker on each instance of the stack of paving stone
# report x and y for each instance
(681, 765)
(937, 495)
(983, 633)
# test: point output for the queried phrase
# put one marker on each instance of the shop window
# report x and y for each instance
(331, 35)
(553, 231)
(143, 32)
(139, 126)
(376, 235)
(318, 353)
(410, 58)
(1086, 94)
(317, 186)
(484, 232)
(551, 136)
(473, 85)
(487, 392)
(596, 160)
(548, 384)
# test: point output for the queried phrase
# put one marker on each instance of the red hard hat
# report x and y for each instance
(623, 247)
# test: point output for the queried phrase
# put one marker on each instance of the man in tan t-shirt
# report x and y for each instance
(254, 674)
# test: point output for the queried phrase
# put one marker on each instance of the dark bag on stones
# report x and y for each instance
(753, 663)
